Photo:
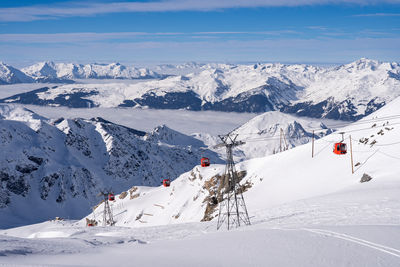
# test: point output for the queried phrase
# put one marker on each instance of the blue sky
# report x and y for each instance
(290, 31)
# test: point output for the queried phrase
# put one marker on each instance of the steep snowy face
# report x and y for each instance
(17, 113)
(10, 75)
(53, 164)
(47, 71)
(165, 135)
(42, 69)
(274, 132)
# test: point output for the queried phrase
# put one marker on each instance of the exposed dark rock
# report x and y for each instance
(216, 187)
(72, 100)
(28, 168)
(4, 176)
(4, 198)
(365, 178)
(174, 100)
(37, 160)
(17, 185)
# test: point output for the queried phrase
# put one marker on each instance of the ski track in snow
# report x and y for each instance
(385, 249)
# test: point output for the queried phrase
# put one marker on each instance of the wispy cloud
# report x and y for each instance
(378, 15)
(295, 49)
(77, 37)
(80, 37)
(321, 28)
(74, 9)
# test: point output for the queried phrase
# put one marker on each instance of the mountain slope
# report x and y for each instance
(9, 75)
(273, 132)
(280, 185)
(54, 164)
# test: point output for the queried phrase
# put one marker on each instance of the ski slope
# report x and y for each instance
(304, 211)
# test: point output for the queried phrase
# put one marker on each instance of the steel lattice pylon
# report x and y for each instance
(232, 209)
(107, 213)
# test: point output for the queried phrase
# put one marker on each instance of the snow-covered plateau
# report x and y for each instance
(325, 210)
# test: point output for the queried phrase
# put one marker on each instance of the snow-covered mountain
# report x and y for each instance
(304, 212)
(46, 166)
(10, 75)
(347, 92)
(183, 68)
(274, 132)
(288, 188)
(50, 71)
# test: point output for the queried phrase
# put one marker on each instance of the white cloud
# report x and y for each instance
(378, 15)
(289, 50)
(36, 12)
(76, 37)
(80, 37)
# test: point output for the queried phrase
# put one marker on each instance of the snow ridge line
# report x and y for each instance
(382, 248)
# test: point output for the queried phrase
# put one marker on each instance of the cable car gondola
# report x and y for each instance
(166, 182)
(205, 162)
(111, 197)
(340, 148)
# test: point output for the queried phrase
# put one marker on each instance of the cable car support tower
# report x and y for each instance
(107, 213)
(232, 209)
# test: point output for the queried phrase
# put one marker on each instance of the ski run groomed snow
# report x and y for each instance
(304, 212)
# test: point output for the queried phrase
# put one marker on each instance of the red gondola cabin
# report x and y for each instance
(205, 162)
(166, 182)
(111, 197)
(340, 148)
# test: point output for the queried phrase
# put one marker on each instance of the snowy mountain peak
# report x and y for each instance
(17, 113)
(363, 63)
(50, 70)
(166, 135)
(42, 69)
(274, 131)
(10, 75)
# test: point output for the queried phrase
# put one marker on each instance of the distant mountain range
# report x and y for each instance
(50, 72)
(346, 92)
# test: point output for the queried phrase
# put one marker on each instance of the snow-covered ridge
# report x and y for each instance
(9, 75)
(47, 71)
(49, 164)
(274, 132)
(346, 92)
